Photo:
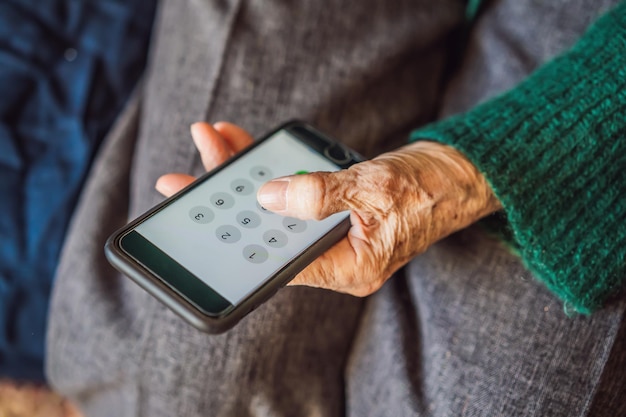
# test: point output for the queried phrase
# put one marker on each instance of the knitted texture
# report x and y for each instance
(554, 152)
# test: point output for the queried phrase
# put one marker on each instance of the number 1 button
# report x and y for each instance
(255, 254)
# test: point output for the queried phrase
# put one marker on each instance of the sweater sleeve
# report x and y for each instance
(554, 152)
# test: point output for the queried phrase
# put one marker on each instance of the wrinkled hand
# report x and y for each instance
(400, 203)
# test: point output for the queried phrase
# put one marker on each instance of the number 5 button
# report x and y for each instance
(248, 219)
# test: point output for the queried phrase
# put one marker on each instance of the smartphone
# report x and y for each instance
(211, 253)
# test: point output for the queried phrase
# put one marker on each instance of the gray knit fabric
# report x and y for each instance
(464, 330)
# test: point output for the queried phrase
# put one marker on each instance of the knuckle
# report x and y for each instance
(319, 196)
(304, 194)
(379, 186)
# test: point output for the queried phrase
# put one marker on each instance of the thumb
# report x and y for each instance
(309, 196)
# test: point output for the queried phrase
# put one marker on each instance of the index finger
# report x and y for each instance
(237, 138)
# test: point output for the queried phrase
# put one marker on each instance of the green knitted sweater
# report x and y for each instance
(554, 151)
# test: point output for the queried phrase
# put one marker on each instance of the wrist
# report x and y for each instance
(460, 195)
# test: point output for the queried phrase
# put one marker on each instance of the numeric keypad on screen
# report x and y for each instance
(278, 228)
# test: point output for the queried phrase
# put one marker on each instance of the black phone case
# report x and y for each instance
(182, 306)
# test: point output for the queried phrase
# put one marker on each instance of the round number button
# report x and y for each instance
(275, 238)
(255, 254)
(201, 214)
(248, 219)
(261, 173)
(222, 200)
(242, 187)
(263, 209)
(294, 225)
(228, 234)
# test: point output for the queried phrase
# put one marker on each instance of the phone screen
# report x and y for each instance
(219, 233)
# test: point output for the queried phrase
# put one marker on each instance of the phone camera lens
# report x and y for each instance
(337, 153)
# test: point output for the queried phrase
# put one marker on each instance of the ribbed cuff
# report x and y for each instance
(554, 151)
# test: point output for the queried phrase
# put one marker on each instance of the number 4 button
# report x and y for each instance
(275, 238)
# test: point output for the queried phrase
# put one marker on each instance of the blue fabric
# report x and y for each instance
(66, 69)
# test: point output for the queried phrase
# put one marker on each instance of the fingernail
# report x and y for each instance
(273, 195)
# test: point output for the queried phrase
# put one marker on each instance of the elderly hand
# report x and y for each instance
(400, 203)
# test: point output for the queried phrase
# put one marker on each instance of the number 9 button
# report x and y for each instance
(242, 187)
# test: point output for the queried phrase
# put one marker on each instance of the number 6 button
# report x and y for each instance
(222, 200)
